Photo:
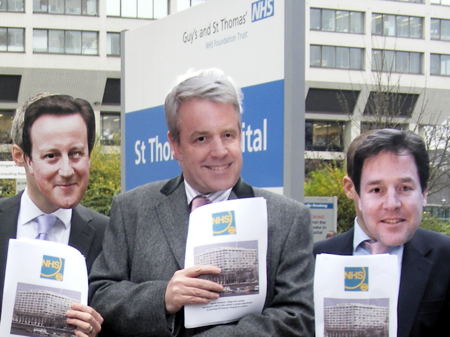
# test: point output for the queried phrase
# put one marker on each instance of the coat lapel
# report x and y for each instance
(415, 273)
(173, 216)
(81, 233)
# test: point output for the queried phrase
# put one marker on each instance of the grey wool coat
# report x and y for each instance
(145, 244)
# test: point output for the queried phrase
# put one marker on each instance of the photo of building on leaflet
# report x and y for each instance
(239, 268)
(356, 320)
(41, 313)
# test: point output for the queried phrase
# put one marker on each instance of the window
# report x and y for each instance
(110, 124)
(367, 126)
(390, 104)
(331, 101)
(324, 135)
(6, 117)
(111, 96)
(12, 39)
(441, 2)
(145, 9)
(65, 41)
(336, 57)
(9, 87)
(397, 25)
(113, 44)
(331, 20)
(440, 64)
(12, 6)
(397, 61)
(72, 7)
(440, 29)
(414, 1)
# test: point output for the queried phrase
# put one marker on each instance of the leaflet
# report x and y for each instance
(42, 279)
(231, 235)
(356, 295)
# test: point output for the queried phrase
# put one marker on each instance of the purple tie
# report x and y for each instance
(199, 201)
(45, 223)
(375, 247)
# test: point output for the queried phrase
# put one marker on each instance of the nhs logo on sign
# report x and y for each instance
(262, 9)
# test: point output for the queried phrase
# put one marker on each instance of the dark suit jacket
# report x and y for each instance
(86, 234)
(424, 295)
(145, 245)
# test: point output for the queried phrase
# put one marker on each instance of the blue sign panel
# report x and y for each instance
(148, 155)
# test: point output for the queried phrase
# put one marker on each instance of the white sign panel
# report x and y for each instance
(323, 215)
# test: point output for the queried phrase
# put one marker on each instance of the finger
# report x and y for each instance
(89, 310)
(195, 271)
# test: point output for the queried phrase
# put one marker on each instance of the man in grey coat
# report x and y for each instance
(139, 283)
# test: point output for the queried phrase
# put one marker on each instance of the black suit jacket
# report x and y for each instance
(86, 234)
(424, 295)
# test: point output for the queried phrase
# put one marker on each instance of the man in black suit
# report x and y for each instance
(53, 136)
(387, 174)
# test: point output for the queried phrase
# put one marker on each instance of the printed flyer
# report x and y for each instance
(356, 295)
(42, 280)
(231, 235)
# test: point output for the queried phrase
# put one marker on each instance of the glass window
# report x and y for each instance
(110, 124)
(113, 47)
(440, 64)
(328, 22)
(90, 43)
(73, 6)
(129, 8)
(396, 61)
(441, 2)
(356, 22)
(73, 42)
(336, 57)
(40, 40)
(56, 41)
(342, 57)
(389, 25)
(402, 26)
(314, 19)
(356, 58)
(324, 135)
(377, 24)
(315, 56)
(145, 9)
(56, 6)
(113, 7)
(342, 21)
(440, 29)
(415, 27)
(328, 56)
(6, 117)
(12, 39)
(12, 5)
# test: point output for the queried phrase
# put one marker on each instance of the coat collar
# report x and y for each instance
(173, 213)
(416, 270)
(240, 189)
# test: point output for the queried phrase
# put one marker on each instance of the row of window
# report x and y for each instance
(58, 41)
(343, 21)
(382, 60)
(144, 9)
(109, 124)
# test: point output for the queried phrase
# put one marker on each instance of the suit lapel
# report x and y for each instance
(173, 217)
(173, 213)
(81, 233)
(414, 277)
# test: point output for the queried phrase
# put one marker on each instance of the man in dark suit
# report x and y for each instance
(139, 282)
(387, 174)
(53, 136)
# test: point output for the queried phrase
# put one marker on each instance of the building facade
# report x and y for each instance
(354, 50)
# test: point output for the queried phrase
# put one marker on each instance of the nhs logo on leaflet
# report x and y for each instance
(262, 9)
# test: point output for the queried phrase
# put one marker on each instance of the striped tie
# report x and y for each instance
(199, 201)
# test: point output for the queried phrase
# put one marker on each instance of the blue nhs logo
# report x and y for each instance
(262, 9)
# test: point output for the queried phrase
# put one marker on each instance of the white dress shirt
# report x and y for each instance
(27, 224)
(191, 193)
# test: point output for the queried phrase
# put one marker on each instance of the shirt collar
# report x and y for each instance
(29, 211)
(191, 193)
